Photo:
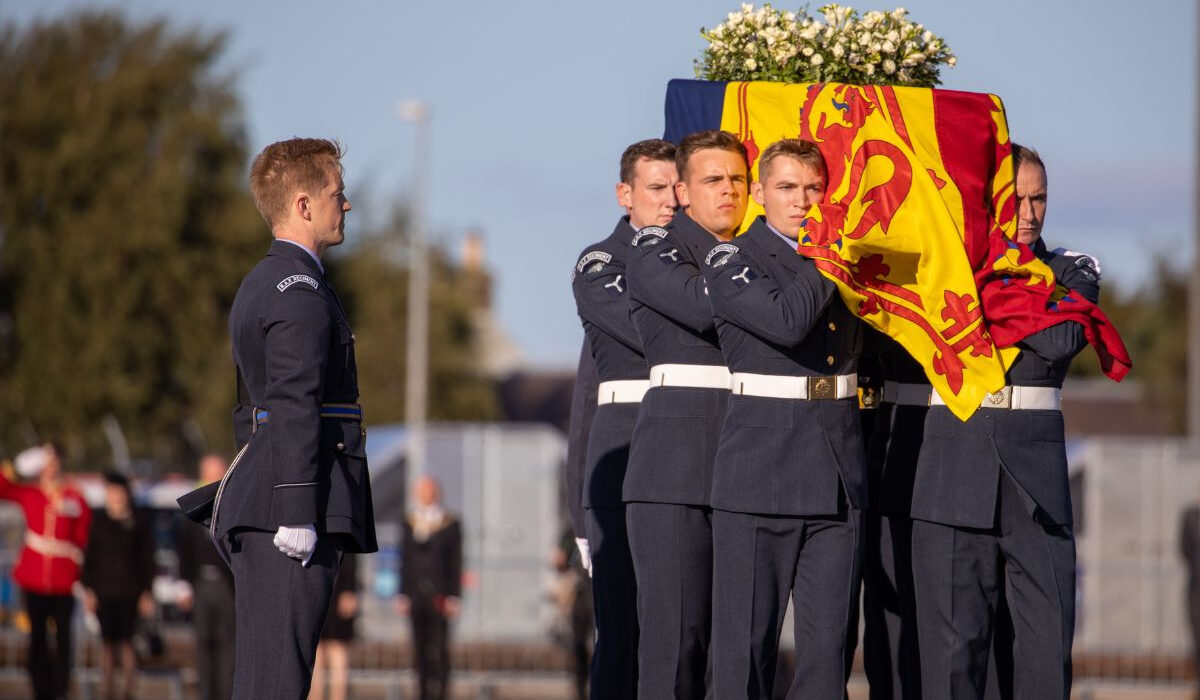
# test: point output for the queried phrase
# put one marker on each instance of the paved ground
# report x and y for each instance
(369, 686)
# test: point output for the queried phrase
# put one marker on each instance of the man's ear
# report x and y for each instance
(624, 195)
(756, 191)
(301, 205)
(681, 194)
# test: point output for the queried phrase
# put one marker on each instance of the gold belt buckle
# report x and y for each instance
(1000, 399)
(822, 388)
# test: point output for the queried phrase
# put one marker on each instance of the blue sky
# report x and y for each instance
(533, 101)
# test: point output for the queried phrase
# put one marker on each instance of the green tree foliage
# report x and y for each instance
(125, 228)
(372, 279)
(1153, 323)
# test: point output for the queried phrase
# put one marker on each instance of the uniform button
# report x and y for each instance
(341, 445)
(832, 326)
(829, 360)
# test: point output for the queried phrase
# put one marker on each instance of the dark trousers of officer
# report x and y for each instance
(672, 558)
(890, 649)
(431, 648)
(49, 669)
(757, 561)
(216, 626)
(614, 600)
(959, 574)
(281, 607)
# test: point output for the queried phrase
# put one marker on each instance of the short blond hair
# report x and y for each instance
(804, 151)
(286, 167)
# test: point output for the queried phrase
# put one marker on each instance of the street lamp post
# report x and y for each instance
(416, 113)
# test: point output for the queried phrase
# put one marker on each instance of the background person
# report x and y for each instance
(209, 597)
(333, 651)
(57, 520)
(118, 573)
(431, 584)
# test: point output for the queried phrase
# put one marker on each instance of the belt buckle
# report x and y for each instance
(999, 399)
(822, 388)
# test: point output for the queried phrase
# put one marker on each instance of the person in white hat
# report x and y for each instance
(57, 520)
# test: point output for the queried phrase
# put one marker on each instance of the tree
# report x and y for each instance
(1153, 323)
(124, 230)
(372, 278)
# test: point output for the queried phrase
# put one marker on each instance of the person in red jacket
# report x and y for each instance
(56, 530)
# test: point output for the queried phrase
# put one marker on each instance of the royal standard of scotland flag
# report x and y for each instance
(920, 191)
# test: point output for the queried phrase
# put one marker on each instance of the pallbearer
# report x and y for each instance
(788, 487)
(992, 504)
(669, 479)
(647, 193)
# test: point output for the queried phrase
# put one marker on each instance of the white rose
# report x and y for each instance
(751, 64)
(808, 50)
(875, 47)
(898, 13)
(888, 47)
(870, 69)
(747, 9)
(817, 60)
(893, 36)
(889, 66)
(952, 61)
(903, 76)
(838, 51)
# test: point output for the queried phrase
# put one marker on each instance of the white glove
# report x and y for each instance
(585, 554)
(297, 541)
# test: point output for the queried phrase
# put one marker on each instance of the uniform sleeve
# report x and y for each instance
(297, 348)
(83, 524)
(661, 277)
(1058, 343)
(145, 525)
(583, 409)
(87, 572)
(758, 303)
(454, 560)
(601, 296)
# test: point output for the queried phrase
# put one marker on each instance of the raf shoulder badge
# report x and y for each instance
(650, 235)
(593, 262)
(720, 255)
(285, 283)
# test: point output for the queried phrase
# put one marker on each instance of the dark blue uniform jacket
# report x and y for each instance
(675, 440)
(294, 351)
(777, 315)
(959, 468)
(601, 287)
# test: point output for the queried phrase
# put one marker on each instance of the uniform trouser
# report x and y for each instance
(215, 633)
(614, 599)
(890, 651)
(672, 559)
(431, 649)
(281, 607)
(959, 574)
(757, 561)
(49, 669)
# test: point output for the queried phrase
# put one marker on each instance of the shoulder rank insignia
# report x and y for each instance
(593, 262)
(650, 235)
(284, 284)
(720, 254)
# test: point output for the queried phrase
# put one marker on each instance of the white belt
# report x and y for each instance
(622, 391)
(903, 394)
(52, 547)
(699, 376)
(842, 386)
(1017, 398)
